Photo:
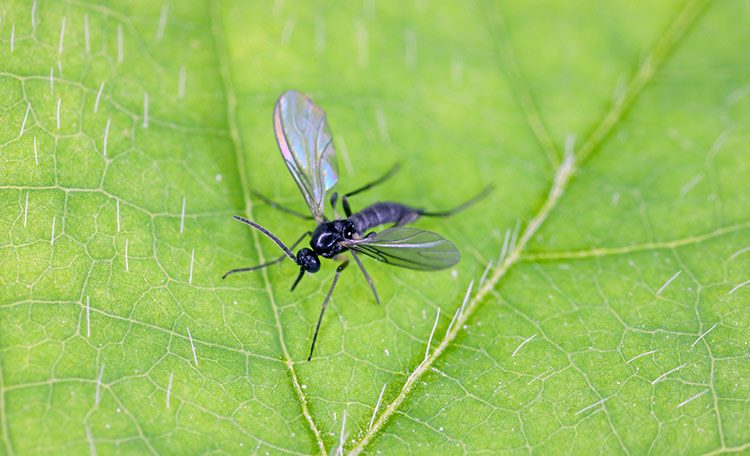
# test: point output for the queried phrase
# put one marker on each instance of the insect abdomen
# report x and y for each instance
(382, 214)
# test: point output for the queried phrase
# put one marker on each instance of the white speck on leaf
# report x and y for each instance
(86, 42)
(52, 238)
(120, 44)
(181, 82)
(106, 135)
(169, 387)
(664, 375)
(99, 386)
(145, 110)
(432, 333)
(666, 284)
(26, 209)
(98, 97)
(25, 117)
(59, 104)
(703, 335)
(182, 216)
(62, 36)
(162, 22)
(526, 341)
(192, 346)
(192, 258)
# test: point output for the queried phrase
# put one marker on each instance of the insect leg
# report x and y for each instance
(465, 205)
(334, 200)
(377, 181)
(347, 208)
(282, 208)
(254, 268)
(270, 263)
(367, 276)
(341, 267)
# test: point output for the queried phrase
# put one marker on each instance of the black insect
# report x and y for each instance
(306, 144)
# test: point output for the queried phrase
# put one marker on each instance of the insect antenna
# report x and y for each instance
(325, 304)
(270, 263)
(287, 251)
(269, 234)
(465, 205)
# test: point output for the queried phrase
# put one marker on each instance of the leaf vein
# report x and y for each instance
(664, 45)
(231, 101)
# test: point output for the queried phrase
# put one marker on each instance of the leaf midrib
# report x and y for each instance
(662, 48)
(231, 100)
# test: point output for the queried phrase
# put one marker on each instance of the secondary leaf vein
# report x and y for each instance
(643, 75)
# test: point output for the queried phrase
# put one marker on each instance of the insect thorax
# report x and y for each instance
(327, 237)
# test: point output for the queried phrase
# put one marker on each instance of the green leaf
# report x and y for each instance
(613, 314)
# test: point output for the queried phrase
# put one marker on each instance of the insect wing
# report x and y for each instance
(408, 247)
(306, 143)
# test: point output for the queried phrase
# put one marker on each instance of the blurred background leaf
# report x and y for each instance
(612, 317)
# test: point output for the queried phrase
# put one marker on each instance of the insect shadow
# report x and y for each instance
(306, 144)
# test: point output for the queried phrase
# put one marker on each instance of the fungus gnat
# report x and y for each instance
(306, 144)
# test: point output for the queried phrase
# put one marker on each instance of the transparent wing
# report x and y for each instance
(408, 247)
(306, 143)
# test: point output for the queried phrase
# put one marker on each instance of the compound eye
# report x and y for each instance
(348, 230)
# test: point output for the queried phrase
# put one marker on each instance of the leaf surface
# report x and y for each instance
(613, 314)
